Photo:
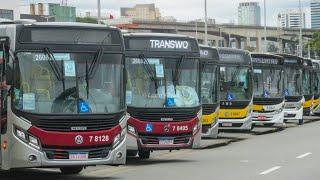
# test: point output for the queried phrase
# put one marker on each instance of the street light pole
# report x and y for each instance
(99, 12)
(265, 25)
(205, 23)
(300, 35)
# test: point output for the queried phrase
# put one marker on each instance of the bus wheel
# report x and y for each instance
(132, 153)
(71, 170)
(144, 154)
(301, 122)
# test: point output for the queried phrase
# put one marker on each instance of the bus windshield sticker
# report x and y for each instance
(257, 71)
(84, 107)
(69, 69)
(149, 128)
(29, 101)
(159, 71)
(129, 97)
(62, 56)
(170, 102)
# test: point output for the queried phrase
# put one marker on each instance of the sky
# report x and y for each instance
(224, 11)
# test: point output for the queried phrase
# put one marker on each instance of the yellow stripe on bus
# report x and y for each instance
(257, 107)
(308, 104)
(209, 119)
(233, 113)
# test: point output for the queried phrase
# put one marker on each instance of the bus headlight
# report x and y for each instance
(27, 138)
(118, 139)
(196, 128)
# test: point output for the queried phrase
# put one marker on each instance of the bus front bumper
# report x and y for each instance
(211, 131)
(276, 118)
(158, 139)
(293, 114)
(236, 124)
(21, 157)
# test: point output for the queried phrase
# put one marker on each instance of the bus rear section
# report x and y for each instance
(294, 99)
(236, 98)
(163, 93)
(209, 91)
(316, 87)
(307, 90)
(65, 108)
(268, 90)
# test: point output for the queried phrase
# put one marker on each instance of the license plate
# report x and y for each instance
(166, 142)
(262, 118)
(227, 124)
(78, 156)
(259, 124)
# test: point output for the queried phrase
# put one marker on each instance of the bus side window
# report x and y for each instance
(4, 56)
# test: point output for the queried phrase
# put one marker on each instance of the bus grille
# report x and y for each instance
(74, 123)
(63, 154)
(154, 140)
(208, 109)
(156, 115)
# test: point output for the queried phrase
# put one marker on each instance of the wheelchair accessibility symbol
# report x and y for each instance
(149, 128)
(84, 107)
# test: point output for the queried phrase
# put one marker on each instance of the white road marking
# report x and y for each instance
(270, 170)
(304, 155)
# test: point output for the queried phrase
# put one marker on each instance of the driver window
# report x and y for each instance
(4, 56)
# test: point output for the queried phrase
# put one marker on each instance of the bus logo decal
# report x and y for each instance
(79, 128)
(78, 139)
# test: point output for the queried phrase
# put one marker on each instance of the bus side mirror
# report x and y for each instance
(9, 75)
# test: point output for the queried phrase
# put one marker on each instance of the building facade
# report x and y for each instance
(315, 14)
(9, 9)
(292, 18)
(249, 14)
(58, 12)
(142, 12)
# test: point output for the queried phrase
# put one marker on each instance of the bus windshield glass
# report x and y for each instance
(236, 83)
(162, 82)
(317, 83)
(209, 90)
(268, 83)
(65, 83)
(293, 81)
(307, 82)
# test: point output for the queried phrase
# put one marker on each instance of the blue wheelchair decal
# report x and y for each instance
(84, 107)
(266, 94)
(149, 128)
(230, 97)
(170, 102)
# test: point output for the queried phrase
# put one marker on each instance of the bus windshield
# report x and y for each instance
(162, 82)
(307, 82)
(317, 83)
(209, 90)
(293, 81)
(236, 83)
(62, 84)
(268, 83)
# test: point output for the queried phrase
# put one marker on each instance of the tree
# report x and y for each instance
(87, 20)
(315, 42)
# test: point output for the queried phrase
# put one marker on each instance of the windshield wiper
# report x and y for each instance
(92, 69)
(55, 66)
(148, 68)
(177, 72)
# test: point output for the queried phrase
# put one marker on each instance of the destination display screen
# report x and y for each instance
(292, 61)
(70, 36)
(265, 60)
(158, 44)
(209, 53)
(230, 56)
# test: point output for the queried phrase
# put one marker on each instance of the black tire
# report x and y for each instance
(301, 122)
(132, 153)
(144, 154)
(71, 170)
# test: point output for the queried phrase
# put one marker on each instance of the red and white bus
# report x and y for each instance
(63, 102)
(163, 92)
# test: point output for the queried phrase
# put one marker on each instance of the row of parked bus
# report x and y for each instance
(76, 95)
